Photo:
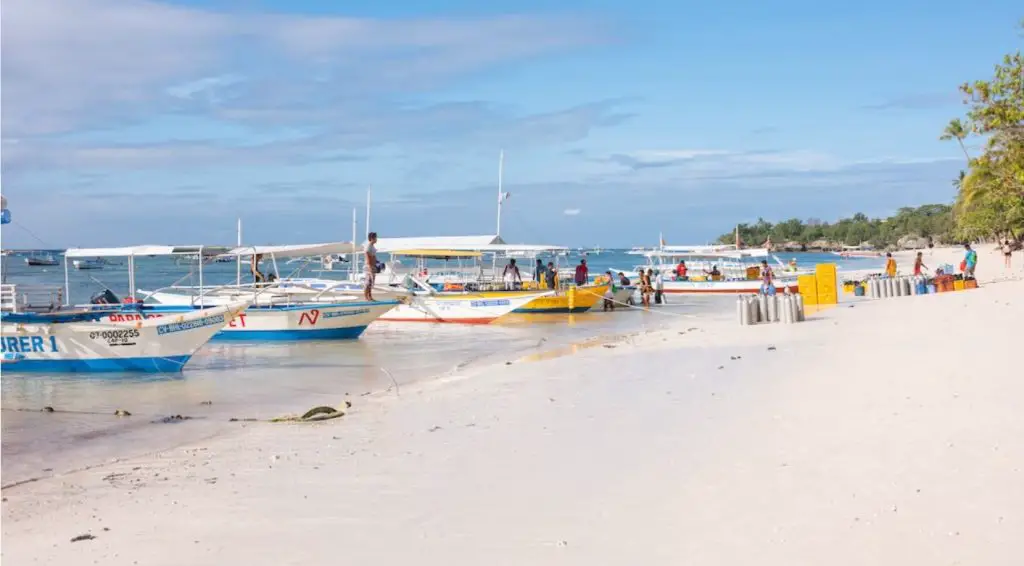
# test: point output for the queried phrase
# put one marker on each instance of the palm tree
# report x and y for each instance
(956, 130)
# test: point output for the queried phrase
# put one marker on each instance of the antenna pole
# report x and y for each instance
(355, 254)
(501, 194)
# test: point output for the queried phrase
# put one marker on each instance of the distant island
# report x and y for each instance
(909, 228)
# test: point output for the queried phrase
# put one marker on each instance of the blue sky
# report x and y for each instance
(127, 121)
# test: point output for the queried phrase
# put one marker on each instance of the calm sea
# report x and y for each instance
(225, 381)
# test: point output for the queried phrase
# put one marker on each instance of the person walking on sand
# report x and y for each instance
(511, 275)
(890, 265)
(370, 259)
(645, 287)
(919, 266)
(659, 287)
(970, 261)
(1007, 250)
(609, 295)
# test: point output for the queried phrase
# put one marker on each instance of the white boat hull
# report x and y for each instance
(163, 344)
(725, 287)
(459, 308)
(322, 320)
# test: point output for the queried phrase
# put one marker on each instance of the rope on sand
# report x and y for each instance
(676, 314)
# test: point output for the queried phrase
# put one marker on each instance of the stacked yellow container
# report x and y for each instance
(808, 285)
(827, 284)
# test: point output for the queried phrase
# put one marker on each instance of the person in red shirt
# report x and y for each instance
(681, 270)
(582, 273)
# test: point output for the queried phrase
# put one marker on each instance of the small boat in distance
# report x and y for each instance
(97, 263)
(42, 259)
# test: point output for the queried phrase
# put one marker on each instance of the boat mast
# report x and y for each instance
(368, 189)
(355, 254)
(238, 257)
(501, 194)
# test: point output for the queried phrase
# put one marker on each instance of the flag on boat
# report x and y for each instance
(504, 197)
(5, 215)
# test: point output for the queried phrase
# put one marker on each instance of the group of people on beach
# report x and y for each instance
(967, 266)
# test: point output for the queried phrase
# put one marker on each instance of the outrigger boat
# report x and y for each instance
(738, 270)
(39, 259)
(282, 309)
(41, 332)
(470, 275)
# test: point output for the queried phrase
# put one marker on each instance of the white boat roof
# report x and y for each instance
(472, 243)
(145, 250)
(295, 250)
(710, 253)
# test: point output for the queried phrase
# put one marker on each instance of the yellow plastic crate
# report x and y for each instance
(808, 288)
(958, 284)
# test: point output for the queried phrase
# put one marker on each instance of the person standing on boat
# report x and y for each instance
(551, 276)
(257, 276)
(582, 274)
(511, 275)
(370, 259)
(681, 271)
(538, 272)
(767, 277)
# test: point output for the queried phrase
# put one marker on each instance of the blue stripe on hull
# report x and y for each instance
(556, 310)
(148, 365)
(349, 333)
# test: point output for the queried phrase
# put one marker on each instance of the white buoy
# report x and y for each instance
(773, 308)
(899, 286)
(762, 308)
(872, 284)
(787, 310)
(752, 309)
(799, 302)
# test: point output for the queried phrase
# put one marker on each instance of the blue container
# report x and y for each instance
(931, 289)
(922, 288)
(858, 291)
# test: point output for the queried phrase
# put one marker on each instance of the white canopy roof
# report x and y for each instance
(296, 250)
(293, 250)
(473, 243)
(143, 251)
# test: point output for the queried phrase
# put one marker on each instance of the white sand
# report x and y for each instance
(886, 433)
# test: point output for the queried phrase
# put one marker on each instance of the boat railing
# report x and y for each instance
(30, 298)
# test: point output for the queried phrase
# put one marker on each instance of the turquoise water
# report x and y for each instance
(226, 381)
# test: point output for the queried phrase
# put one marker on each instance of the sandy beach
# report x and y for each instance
(877, 432)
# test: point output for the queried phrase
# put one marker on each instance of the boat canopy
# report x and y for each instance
(143, 251)
(295, 250)
(388, 245)
(436, 254)
(724, 254)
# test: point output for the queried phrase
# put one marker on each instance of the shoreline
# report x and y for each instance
(875, 432)
(144, 434)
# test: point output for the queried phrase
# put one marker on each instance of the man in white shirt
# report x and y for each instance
(370, 257)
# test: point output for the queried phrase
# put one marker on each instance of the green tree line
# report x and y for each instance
(933, 222)
(990, 191)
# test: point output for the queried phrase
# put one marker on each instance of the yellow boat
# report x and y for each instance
(572, 300)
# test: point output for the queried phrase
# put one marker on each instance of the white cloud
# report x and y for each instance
(571, 212)
(72, 63)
